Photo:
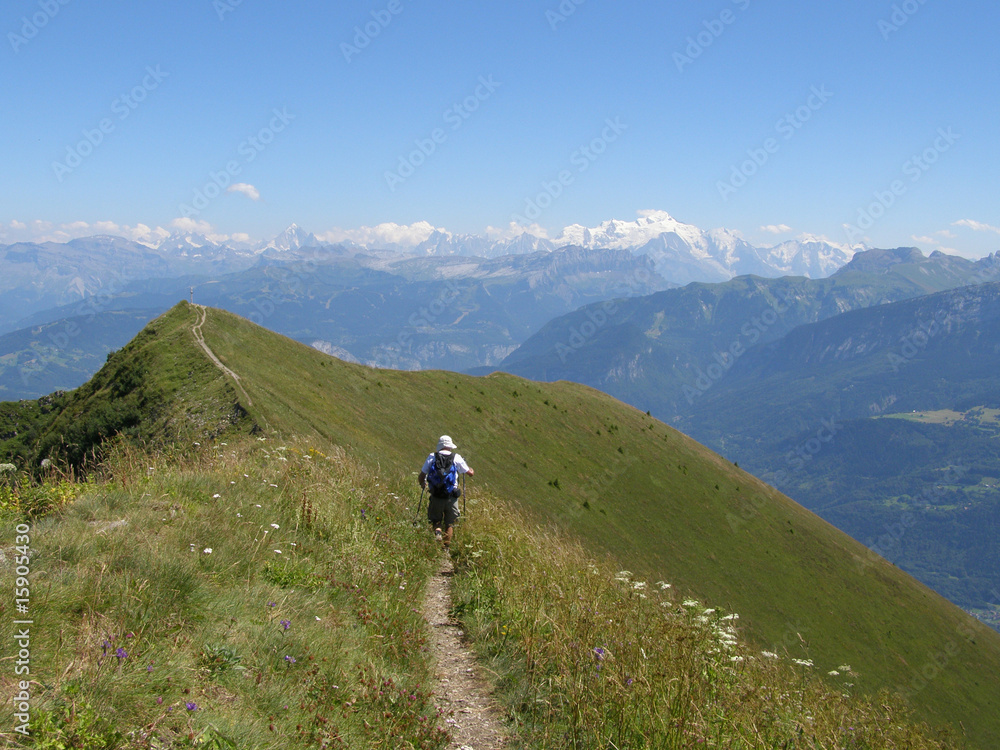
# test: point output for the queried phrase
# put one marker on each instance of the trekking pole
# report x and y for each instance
(420, 503)
(464, 496)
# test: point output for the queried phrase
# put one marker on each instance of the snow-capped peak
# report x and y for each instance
(291, 239)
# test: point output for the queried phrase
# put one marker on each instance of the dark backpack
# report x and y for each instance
(443, 476)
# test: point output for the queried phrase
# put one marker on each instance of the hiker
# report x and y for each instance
(439, 475)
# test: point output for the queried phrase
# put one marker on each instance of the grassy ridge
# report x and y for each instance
(257, 595)
(254, 595)
(632, 490)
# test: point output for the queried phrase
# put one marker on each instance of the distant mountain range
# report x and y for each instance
(37, 276)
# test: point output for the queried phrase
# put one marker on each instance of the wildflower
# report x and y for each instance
(736, 659)
(286, 624)
(239, 515)
(691, 603)
(121, 653)
(663, 585)
(639, 585)
(709, 611)
(290, 659)
(278, 551)
(803, 662)
(599, 653)
(159, 700)
(272, 604)
(275, 526)
(770, 654)
(731, 617)
(149, 668)
(844, 667)
(833, 673)
(191, 706)
(216, 496)
(207, 550)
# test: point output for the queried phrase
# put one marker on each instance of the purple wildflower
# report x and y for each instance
(121, 653)
(286, 624)
(191, 706)
(290, 659)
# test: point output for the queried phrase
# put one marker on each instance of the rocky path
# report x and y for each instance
(471, 717)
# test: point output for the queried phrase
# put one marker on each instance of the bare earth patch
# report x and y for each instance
(473, 721)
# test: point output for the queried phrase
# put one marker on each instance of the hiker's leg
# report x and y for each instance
(446, 537)
(436, 516)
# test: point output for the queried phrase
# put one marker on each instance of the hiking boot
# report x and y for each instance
(437, 534)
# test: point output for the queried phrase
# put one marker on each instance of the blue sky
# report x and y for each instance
(866, 121)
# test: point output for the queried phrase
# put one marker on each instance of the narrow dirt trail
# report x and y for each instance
(471, 717)
(200, 338)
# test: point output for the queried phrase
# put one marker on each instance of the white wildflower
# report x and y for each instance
(731, 617)
(770, 654)
(803, 662)
(663, 585)
(710, 611)
(216, 496)
(278, 551)
(833, 673)
(736, 658)
(639, 585)
(207, 550)
(844, 667)
(275, 526)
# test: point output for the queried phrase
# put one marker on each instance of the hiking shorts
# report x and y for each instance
(443, 511)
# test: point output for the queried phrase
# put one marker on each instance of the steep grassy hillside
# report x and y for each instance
(630, 488)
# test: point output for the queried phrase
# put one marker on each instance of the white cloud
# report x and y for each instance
(17, 225)
(977, 226)
(776, 228)
(389, 233)
(925, 240)
(947, 234)
(195, 226)
(247, 189)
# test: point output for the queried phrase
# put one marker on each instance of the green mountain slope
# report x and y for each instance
(630, 488)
